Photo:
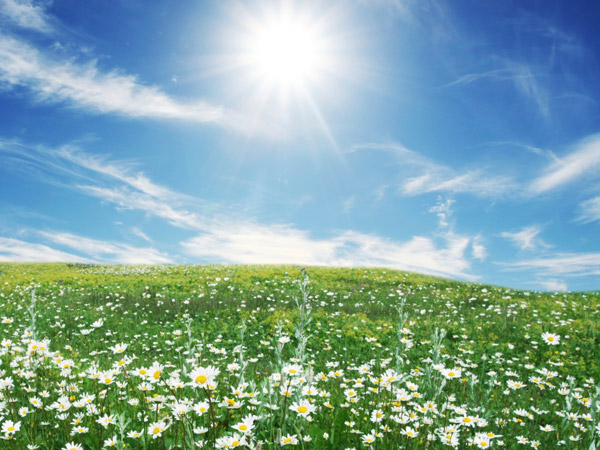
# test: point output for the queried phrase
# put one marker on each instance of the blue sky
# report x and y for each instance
(459, 139)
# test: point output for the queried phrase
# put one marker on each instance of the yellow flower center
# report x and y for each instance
(243, 427)
(302, 409)
(157, 374)
(201, 379)
(156, 430)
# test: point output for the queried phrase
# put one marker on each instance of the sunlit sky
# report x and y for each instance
(453, 138)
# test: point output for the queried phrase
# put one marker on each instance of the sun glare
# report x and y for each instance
(286, 52)
(290, 58)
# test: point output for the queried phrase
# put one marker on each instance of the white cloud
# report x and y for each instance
(15, 250)
(443, 210)
(139, 233)
(434, 177)
(225, 237)
(478, 249)
(546, 154)
(107, 251)
(348, 204)
(590, 210)
(554, 285)
(25, 14)
(520, 75)
(87, 87)
(243, 243)
(527, 238)
(126, 198)
(583, 160)
(111, 182)
(563, 264)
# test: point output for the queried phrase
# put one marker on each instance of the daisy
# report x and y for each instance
(72, 446)
(246, 425)
(155, 371)
(9, 427)
(551, 338)
(156, 429)
(292, 369)
(119, 348)
(303, 408)
(111, 442)
(481, 441)
(452, 373)
(368, 438)
(106, 420)
(203, 377)
(201, 408)
(290, 439)
(410, 432)
(377, 416)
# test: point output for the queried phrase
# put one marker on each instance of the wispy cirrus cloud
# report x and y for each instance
(583, 160)
(221, 236)
(554, 285)
(478, 248)
(52, 79)
(16, 250)
(544, 153)
(25, 14)
(590, 210)
(560, 265)
(527, 238)
(111, 182)
(107, 251)
(246, 242)
(85, 86)
(520, 75)
(443, 210)
(435, 177)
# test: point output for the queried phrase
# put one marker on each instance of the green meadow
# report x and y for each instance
(266, 357)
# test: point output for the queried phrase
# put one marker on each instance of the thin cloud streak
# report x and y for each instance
(522, 78)
(526, 239)
(24, 14)
(224, 237)
(107, 251)
(435, 177)
(560, 265)
(111, 182)
(245, 243)
(89, 88)
(554, 285)
(16, 250)
(584, 159)
(590, 210)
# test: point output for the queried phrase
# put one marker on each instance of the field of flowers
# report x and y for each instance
(180, 357)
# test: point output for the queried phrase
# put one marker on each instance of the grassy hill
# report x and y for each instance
(264, 357)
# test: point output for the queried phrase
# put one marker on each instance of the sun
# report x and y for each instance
(286, 63)
(286, 48)
(286, 52)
